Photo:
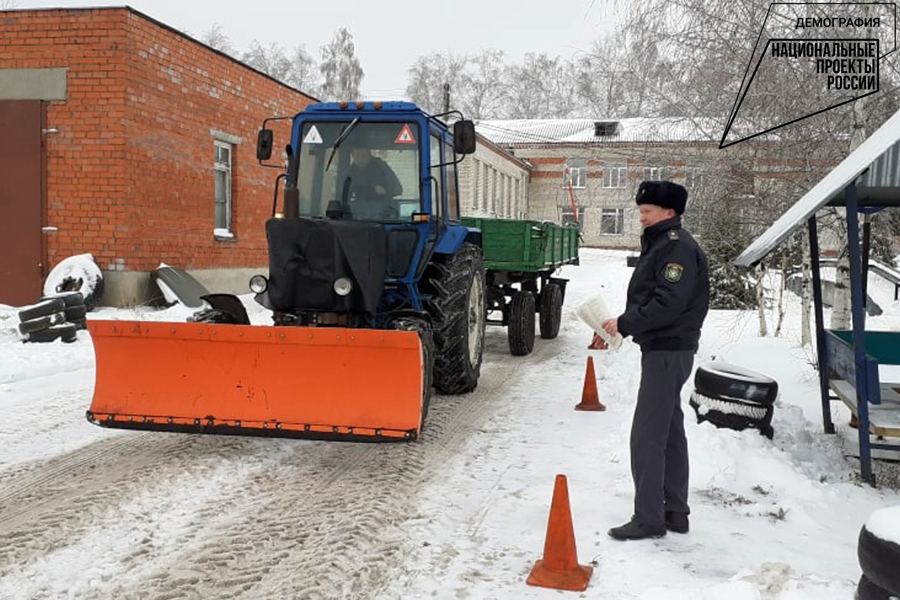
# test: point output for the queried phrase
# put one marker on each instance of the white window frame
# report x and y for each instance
(224, 229)
(618, 214)
(653, 173)
(694, 178)
(566, 216)
(575, 171)
(615, 176)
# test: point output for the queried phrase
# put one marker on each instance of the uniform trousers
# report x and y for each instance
(659, 451)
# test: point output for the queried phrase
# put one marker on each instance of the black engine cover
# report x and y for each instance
(306, 256)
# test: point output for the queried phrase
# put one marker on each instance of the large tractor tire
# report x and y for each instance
(520, 325)
(457, 309)
(423, 328)
(551, 310)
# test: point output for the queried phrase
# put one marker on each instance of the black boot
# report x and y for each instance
(633, 530)
(677, 522)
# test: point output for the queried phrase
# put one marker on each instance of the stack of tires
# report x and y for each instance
(879, 556)
(56, 317)
(732, 397)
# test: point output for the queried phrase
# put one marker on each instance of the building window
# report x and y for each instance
(653, 173)
(476, 170)
(612, 221)
(615, 175)
(693, 178)
(486, 187)
(575, 173)
(567, 216)
(222, 165)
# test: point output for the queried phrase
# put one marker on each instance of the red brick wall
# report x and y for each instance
(130, 173)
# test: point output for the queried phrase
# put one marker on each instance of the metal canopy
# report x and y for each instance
(879, 152)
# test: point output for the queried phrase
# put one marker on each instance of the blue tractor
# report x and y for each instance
(377, 294)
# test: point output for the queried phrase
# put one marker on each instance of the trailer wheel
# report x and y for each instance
(457, 309)
(520, 328)
(423, 328)
(878, 560)
(551, 311)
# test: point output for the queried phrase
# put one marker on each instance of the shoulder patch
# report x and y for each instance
(673, 272)
(673, 235)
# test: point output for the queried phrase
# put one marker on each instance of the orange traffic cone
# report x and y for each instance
(559, 569)
(589, 398)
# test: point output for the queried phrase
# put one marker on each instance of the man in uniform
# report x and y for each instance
(668, 298)
(371, 178)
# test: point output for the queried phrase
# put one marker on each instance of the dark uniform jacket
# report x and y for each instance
(668, 295)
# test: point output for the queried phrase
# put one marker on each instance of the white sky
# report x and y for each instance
(389, 36)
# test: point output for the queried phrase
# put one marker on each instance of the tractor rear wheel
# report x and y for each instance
(456, 284)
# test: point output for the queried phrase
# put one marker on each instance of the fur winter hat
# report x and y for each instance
(662, 193)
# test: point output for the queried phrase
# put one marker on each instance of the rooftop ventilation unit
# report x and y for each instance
(606, 128)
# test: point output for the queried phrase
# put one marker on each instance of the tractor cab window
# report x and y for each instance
(452, 193)
(358, 170)
(437, 177)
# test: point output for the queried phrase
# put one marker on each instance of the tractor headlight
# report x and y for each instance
(258, 284)
(343, 286)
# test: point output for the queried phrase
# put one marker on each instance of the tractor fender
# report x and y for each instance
(453, 237)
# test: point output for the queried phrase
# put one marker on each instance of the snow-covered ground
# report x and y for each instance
(460, 514)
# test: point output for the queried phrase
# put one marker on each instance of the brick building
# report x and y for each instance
(131, 141)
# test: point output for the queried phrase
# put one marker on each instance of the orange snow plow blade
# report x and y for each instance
(324, 383)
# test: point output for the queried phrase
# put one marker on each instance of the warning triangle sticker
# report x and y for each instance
(313, 137)
(405, 136)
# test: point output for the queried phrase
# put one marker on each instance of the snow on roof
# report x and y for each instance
(829, 187)
(583, 131)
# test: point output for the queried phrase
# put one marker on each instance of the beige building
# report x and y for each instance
(589, 170)
(494, 183)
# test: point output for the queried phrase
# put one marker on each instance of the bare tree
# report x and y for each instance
(216, 38)
(683, 44)
(542, 87)
(482, 85)
(303, 74)
(427, 77)
(270, 59)
(6, 4)
(341, 71)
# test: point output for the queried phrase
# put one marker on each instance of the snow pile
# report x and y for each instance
(885, 524)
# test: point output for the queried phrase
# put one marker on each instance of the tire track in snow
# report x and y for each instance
(316, 520)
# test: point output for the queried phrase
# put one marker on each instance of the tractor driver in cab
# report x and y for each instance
(373, 184)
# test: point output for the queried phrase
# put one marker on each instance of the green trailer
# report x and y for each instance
(520, 258)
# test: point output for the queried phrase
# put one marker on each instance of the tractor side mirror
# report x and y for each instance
(264, 142)
(464, 137)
